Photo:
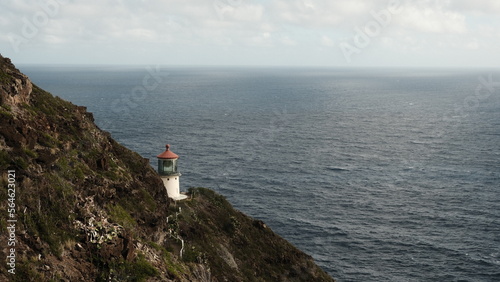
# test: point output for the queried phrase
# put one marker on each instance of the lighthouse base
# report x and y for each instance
(179, 197)
(171, 184)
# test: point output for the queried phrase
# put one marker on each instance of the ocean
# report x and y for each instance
(378, 174)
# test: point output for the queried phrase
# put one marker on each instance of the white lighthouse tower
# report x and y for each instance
(167, 168)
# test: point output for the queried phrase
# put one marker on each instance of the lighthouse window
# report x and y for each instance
(168, 166)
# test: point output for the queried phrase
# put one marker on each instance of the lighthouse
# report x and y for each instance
(167, 169)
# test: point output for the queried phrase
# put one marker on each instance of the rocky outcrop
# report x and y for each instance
(15, 87)
(88, 208)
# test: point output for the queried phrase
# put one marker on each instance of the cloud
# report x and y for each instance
(327, 41)
(243, 12)
(285, 40)
(321, 13)
(431, 18)
(487, 7)
(472, 45)
(239, 26)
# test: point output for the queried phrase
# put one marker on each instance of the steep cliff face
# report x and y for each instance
(87, 208)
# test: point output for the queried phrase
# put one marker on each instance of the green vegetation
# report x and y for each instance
(58, 112)
(7, 108)
(149, 202)
(141, 268)
(20, 163)
(30, 153)
(3, 199)
(48, 140)
(71, 167)
(26, 270)
(5, 78)
(174, 269)
(5, 113)
(121, 216)
(121, 270)
(4, 160)
(51, 221)
(53, 107)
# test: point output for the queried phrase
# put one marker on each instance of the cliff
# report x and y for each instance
(78, 206)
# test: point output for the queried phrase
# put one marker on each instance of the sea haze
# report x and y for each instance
(379, 174)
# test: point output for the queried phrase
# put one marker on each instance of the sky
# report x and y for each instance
(331, 33)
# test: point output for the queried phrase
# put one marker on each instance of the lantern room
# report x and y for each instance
(167, 163)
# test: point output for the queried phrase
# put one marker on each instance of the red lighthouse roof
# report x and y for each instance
(168, 154)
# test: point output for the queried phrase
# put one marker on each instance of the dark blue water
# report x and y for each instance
(379, 174)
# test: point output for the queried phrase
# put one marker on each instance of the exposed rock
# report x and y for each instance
(15, 87)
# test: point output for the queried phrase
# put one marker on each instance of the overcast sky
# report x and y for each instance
(440, 33)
